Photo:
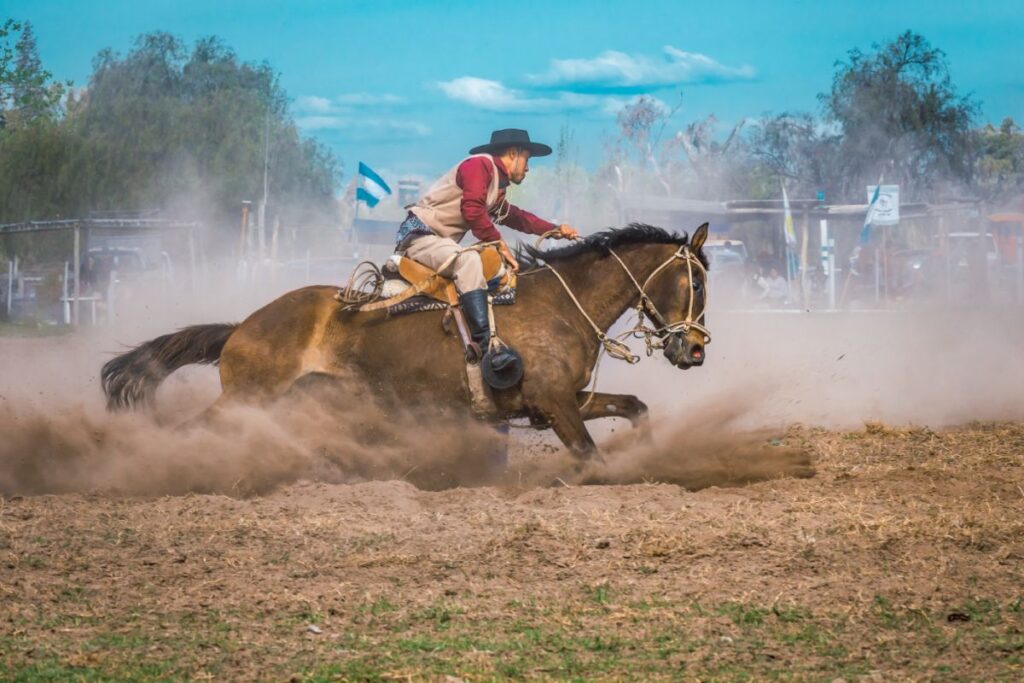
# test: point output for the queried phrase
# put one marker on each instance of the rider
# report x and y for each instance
(470, 197)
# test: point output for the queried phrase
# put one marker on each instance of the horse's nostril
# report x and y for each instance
(697, 352)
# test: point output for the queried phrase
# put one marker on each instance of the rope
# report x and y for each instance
(654, 337)
(372, 303)
(614, 347)
(364, 285)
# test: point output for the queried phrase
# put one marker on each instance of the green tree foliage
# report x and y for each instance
(164, 127)
(999, 170)
(26, 93)
(899, 113)
(793, 148)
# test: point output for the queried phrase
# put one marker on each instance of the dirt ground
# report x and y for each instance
(902, 558)
(323, 547)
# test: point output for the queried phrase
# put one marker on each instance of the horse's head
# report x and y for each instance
(678, 292)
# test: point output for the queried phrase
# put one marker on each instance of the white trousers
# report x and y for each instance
(432, 251)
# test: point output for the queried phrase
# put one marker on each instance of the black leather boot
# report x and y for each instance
(474, 308)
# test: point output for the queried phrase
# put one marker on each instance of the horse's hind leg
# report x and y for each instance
(205, 418)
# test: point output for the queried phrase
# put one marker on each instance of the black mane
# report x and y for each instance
(600, 242)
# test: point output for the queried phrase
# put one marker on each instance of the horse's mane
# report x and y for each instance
(635, 233)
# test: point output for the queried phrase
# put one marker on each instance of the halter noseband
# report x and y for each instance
(654, 337)
(647, 306)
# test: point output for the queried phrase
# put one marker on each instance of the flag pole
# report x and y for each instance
(863, 238)
(788, 236)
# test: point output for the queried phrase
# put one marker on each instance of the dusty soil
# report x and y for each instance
(902, 558)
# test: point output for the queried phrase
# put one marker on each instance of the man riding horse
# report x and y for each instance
(567, 300)
(470, 197)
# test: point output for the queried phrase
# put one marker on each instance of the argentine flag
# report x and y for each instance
(869, 218)
(372, 187)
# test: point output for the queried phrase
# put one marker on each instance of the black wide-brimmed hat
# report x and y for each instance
(512, 137)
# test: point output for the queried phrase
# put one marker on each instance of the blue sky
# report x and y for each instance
(408, 87)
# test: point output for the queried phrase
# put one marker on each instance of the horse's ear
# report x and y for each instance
(698, 238)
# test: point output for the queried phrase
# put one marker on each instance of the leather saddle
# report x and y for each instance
(405, 278)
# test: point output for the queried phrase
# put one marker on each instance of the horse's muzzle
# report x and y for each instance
(684, 353)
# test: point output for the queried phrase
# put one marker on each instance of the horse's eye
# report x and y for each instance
(697, 285)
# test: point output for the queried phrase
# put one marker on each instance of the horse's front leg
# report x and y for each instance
(598, 404)
(565, 419)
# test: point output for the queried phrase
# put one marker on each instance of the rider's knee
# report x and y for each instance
(469, 272)
(469, 259)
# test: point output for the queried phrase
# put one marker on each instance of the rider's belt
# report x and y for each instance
(410, 228)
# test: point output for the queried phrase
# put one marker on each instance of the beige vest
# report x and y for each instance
(441, 207)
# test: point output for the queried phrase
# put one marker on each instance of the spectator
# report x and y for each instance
(87, 274)
(774, 288)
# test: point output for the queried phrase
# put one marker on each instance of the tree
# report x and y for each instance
(26, 93)
(999, 169)
(160, 127)
(714, 163)
(173, 128)
(796, 149)
(641, 126)
(899, 113)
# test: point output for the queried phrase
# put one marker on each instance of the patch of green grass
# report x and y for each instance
(790, 614)
(33, 329)
(56, 672)
(440, 614)
(381, 606)
(588, 637)
(599, 594)
(33, 562)
(744, 615)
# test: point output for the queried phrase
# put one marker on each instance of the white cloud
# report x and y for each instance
(320, 122)
(491, 95)
(486, 94)
(313, 104)
(613, 71)
(365, 99)
(346, 103)
(613, 105)
(593, 84)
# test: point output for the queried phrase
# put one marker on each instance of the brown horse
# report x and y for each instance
(307, 332)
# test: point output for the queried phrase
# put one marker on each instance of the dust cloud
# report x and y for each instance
(332, 434)
(721, 424)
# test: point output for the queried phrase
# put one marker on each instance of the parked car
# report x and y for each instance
(729, 269)
(133, 269)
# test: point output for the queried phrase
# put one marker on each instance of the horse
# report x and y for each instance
(566, 300)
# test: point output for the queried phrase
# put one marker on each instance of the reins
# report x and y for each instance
(654, 337)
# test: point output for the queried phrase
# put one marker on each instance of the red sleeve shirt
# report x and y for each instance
(474, 176)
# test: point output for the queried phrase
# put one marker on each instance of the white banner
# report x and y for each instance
(887, 209)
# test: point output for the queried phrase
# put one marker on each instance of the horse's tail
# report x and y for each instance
(132, 377)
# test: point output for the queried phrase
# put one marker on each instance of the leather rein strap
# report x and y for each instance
(654, 337)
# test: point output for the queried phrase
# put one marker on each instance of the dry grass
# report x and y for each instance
(901, 559)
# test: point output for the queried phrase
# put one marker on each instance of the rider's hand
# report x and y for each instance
(506, 254)
(566, 232)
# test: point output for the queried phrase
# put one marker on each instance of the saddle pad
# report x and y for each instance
(421, 303)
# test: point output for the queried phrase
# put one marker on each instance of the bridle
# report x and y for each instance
(655, 338)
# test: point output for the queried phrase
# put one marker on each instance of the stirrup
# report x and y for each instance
(473, 352)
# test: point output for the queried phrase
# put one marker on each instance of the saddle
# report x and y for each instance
(405, 279)
(411, 287)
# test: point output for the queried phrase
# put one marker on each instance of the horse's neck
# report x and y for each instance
(603, 287)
